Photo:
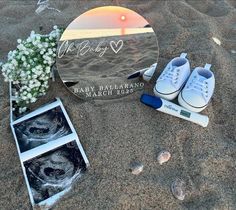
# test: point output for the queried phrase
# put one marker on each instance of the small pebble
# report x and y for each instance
(178, 189)
(163, 157)
(136, 168)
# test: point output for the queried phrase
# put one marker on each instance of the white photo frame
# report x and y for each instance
(45, 148)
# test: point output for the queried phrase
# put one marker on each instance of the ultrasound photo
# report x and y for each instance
(54, 171)
(42, 129)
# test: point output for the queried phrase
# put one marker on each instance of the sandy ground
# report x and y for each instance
(116, 132)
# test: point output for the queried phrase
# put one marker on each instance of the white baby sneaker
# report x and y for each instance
(149, 73)
(198, 90)
(173, 78)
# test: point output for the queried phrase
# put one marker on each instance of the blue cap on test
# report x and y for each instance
(152, 101)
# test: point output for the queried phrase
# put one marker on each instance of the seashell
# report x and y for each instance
(178, 189)
(136, 168)
(163, 157)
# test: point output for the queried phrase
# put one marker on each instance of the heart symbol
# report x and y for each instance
(116, 47)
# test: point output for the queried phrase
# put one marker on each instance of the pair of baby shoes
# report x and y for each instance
(194, 90)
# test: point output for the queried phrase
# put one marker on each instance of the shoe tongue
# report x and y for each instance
(173, 67)
(201, 78)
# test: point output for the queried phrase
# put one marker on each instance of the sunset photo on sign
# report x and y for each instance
(106, 21)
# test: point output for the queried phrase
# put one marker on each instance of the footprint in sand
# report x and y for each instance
(204, 201)
(232, 3)
(210, 7)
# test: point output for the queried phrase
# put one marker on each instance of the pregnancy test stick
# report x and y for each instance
(170, 108)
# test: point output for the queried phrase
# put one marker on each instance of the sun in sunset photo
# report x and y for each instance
(106, 21)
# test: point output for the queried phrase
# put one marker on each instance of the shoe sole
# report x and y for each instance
(186, 105)
(169, 96)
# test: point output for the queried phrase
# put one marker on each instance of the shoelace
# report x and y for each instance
(199, 86)
(171, 74)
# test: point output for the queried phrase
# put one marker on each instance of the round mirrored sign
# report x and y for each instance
(100, 49)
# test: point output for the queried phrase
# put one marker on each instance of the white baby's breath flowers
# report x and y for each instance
(29, 66)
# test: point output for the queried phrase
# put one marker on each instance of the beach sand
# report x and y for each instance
(115, 133)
